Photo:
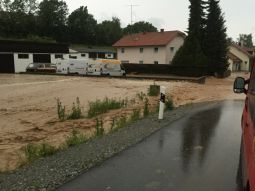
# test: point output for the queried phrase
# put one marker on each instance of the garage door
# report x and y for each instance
(7, 63)
(42, 58)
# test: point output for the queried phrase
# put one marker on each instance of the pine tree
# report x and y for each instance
(191, 54)
(215, 42)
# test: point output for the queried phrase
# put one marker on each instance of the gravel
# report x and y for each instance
(51, 172)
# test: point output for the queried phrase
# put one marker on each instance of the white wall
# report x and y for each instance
(78, 55)
(176, 44)
(245, 65)
(21, 64)
(54, 60)
(163, 56)
(133, 55)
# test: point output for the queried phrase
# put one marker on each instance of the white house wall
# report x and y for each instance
(54, 60)
(245, 65)
(21, 64)
(149, 56)
(176, 44)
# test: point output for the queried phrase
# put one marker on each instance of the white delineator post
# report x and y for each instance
(162, 102)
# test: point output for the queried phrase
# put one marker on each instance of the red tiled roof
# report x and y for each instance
(148, 39)
(234, 57)
(242, 49)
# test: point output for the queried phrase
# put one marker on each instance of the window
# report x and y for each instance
(59, 56)
(155, 62)
(140, 62)
(141, 50)
(156, 49)
(23, 56)
(123, 50)
(83, 55)
(72, 57)
(172, 49)
(109, 55)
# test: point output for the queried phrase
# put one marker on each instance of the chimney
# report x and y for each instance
(162, 30)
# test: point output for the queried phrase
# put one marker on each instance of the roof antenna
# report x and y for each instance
(131, 14)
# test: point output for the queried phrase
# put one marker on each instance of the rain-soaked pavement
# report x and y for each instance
(199, 152)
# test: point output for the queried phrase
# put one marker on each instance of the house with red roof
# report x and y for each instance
(149, 47)
(240, 58)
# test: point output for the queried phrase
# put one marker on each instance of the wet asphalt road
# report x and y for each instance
(199, 152)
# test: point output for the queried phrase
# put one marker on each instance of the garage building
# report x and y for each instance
(15, 56)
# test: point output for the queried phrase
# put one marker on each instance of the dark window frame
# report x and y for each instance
(23, 56)
(61, 56)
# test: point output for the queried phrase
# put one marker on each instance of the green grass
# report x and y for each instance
(99, 128)
(135, 116)
(76, 138)
(76, 111)
(146, 111)
(154, 90)
(99, 107)
(33, 151)
(169, 105)
(61, 110)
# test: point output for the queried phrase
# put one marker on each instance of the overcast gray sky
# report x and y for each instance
(170, 14)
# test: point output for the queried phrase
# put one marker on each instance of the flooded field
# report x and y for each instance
(28, 106)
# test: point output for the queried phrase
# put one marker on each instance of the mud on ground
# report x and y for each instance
(28, 112)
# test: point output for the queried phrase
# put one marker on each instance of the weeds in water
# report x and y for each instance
(33, 151)
(61, 110)
(99, 128)
(146, 111)
(76, 138)
(141, 96)
(76, 111)
(99, 107)
(154, 90)
(135, 116)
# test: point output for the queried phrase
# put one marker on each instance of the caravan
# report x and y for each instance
(72, 66)
(112, 67)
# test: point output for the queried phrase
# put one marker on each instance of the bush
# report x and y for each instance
(135, 115)
(76, 138)
(99, 128)
(61, 110)
(76, 110)
(154, 90)
(169, 105)
(99, 107)
(146, 111)
(33, 151)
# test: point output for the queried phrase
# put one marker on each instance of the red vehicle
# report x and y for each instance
(248, 131)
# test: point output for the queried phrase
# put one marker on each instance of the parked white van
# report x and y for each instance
(72, 66)
(94, 68)
(112, 67)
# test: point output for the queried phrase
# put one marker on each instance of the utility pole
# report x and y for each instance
(131, 15)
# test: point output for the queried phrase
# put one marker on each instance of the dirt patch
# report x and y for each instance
(28, 106)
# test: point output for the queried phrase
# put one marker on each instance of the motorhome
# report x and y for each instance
(72, 66)
(112, 67)
(94, 68)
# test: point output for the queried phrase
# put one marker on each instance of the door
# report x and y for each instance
(41, 58)
(7, 63)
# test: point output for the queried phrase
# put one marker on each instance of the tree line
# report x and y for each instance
(206, 44)
(50, 20)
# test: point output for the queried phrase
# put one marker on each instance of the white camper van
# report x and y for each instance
(112, 67)
(72, 66)
(94, 68)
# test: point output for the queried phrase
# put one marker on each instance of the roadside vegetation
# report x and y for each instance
(140, 105)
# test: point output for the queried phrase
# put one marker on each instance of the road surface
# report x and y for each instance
(196, 153)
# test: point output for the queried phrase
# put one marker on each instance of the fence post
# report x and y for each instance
(162, 102)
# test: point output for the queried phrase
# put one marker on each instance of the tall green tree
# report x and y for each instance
(246, 40)
(108, 32)
(139, 27)
(52, 18)
(216, 44)
(191, 54)
(82, 26)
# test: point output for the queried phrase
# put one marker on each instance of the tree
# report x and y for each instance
(108, 32)
(245, 40)
(191, 54)
(82, 26)
(52, 18)
(216, 44)
(139, 27)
